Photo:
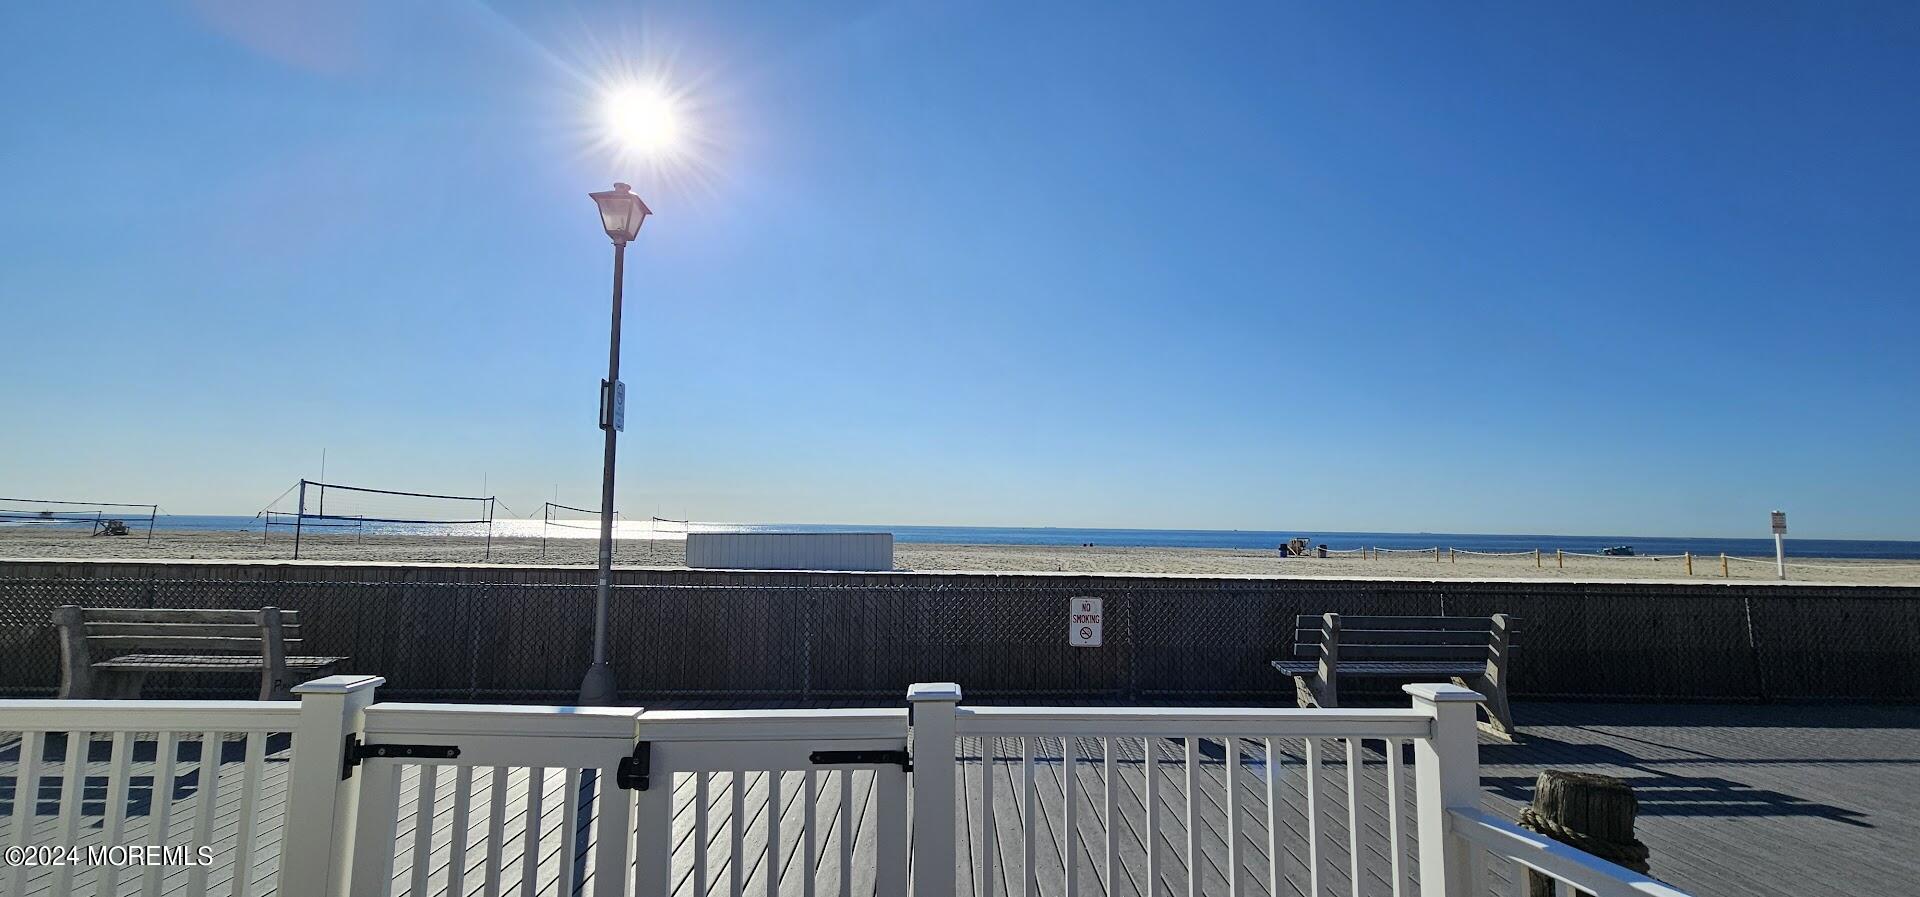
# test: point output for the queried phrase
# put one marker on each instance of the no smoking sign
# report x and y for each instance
(1084, 621)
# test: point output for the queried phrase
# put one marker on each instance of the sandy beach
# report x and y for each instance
(25, 543)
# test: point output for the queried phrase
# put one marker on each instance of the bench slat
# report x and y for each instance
(1400, 637)
(1454, 624)
(1395, 652)
(228, 630)
(204, 662)
(1385, 668)
(199, 642)
(178, 615)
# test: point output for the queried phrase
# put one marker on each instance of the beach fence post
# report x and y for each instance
(1723, 566)
(1536, 558)
(1450, 558)
(1436, 554)
(300, 514)
(1689, 563)
(1560, 558)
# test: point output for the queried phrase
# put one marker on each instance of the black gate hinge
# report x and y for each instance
(356, 752)
(635, 773)
(837, 758)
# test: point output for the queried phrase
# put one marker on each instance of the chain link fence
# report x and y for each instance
(814, 637)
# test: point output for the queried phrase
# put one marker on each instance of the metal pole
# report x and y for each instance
(489, 529)
(1780, 553)
(151, 514)
(597, 689)
(299, 516)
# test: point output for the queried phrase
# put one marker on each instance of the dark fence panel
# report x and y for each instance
(1640, 640)
(702, 640)
(29, 645)
(527, 634)
(1861, 646)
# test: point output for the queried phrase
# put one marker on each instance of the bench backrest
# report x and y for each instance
(155, 630)
(1403, 638)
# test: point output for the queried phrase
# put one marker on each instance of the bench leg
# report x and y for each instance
(1499, 714)
(280, 688)
(1312, 691)
(123, 685)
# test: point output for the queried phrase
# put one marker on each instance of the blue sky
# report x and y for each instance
(1645, 269)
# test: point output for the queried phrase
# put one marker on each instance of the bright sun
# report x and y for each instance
(643, 119)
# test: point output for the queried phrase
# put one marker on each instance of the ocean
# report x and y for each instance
(1142, 538)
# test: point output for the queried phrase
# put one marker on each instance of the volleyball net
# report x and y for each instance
(99, 518)
(331, 508)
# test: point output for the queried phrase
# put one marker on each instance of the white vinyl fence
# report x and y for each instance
(336, 795)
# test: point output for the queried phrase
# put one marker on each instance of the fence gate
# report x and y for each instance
(496, 800)
(815, 799)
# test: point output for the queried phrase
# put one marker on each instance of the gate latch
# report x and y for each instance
(635, 773)
(356, 752)
(837, 758)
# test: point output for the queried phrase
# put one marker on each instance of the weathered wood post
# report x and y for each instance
(1536, 558)
(1560, 558)
(1723, 566)
(1689, 563)
(1588, 812)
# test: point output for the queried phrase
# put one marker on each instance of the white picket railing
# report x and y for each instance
(1570, 868)
(1152, 730)
(419, 798)
(54, 764)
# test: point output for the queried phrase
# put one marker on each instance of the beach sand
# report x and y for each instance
(23, 543)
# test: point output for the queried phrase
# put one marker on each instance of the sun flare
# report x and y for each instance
(643, 119)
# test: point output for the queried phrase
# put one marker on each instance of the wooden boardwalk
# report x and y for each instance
(1748, 800)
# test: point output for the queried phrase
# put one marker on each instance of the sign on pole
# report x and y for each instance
(613, 405)
(1780, 542)
(1084, 621)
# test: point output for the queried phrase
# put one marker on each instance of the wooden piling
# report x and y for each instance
(1587, 811)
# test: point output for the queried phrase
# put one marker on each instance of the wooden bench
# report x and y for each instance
(133, 642)
(1471, 651)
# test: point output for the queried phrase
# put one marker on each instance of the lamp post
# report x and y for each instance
(621, 212)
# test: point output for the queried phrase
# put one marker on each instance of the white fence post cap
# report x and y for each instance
(337, 685)
(1442, 692)
(934, 691)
